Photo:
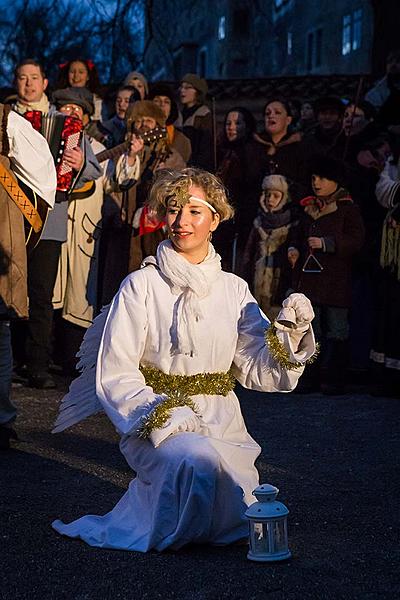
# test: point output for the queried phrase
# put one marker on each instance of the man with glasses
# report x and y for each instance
(195, 120)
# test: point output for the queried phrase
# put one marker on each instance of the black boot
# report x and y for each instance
(7, 434)
(42, 381)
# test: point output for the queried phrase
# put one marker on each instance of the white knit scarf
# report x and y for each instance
(43, 105)
(192, 283)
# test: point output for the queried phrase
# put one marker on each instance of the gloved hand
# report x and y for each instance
(296, 314)
(293, 325)
(182, 419)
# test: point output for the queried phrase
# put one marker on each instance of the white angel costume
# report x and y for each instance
(175, 318)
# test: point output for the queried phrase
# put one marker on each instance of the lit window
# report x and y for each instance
(221, 28)
(289, 43)
(346, 35)
(357, 29)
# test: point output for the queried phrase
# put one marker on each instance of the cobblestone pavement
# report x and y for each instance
(335, 460)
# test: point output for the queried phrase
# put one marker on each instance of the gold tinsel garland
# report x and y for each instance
(210, 384)
(390, 247)
(179, 388)
(159, 416)
(281, 355)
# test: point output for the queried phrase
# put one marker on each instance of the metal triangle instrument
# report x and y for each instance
(312, 264)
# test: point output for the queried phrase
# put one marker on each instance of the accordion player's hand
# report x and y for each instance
(74, 158)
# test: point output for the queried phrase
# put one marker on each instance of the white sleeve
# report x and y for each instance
(120, 386)
(121, 174)
(31, 158)
(253, 365)
(125, 172)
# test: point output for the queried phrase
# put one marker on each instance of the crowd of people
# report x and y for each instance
(120, 207)
(314, 191)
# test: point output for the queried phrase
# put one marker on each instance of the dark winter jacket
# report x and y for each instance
(196, 124)
(287, 158)
(342, 231)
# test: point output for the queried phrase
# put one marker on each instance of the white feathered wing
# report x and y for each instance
(81, 400)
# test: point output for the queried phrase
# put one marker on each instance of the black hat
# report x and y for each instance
(163, 89)
(328, 167)
(80, 96)
(329, 103)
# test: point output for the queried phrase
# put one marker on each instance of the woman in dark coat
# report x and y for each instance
(283, 151)
(241, 167)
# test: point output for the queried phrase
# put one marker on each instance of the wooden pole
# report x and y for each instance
(214, 117)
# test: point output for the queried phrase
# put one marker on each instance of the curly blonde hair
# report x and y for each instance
(175, 185)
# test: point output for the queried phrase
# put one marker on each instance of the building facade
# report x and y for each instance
(257, 38)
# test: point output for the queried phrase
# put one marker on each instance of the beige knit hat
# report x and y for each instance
(276, 182)
(198, 83)
(136, 75)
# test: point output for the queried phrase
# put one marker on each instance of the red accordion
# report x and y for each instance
(62, 132)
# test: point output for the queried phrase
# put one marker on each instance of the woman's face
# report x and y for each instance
(354, 120)
(235, 126)
(139, 85)
(187, 94)
(122, 103)
(276, 119)
(78, 74)
(164, 103)
(270, 200)
(189, 226)
(323, 186)
(307, 111)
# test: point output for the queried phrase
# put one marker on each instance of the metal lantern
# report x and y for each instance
(268, 526)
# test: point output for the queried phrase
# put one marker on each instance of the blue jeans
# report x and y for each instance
(8, 412)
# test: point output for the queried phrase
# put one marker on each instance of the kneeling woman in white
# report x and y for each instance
(177, 335)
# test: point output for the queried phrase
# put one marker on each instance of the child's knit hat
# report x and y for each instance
(276, 182)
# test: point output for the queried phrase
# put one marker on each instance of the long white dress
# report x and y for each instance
(194, 487)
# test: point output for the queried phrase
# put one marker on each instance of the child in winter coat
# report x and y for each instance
(321, 252)
(264, 262)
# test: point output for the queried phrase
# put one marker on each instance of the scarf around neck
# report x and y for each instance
(191, 282)
(273, 220)
(43, 105)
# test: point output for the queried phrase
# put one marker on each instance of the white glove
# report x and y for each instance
(182, 419)
(294, 329)
(296, 313)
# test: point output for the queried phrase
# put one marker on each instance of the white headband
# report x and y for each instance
(203, 202)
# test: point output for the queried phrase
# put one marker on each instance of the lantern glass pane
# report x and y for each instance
(280, 535)
(259, 540)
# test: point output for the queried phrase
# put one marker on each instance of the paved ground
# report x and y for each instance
(335, 460)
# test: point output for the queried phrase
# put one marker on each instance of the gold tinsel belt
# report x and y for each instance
(218, 384)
